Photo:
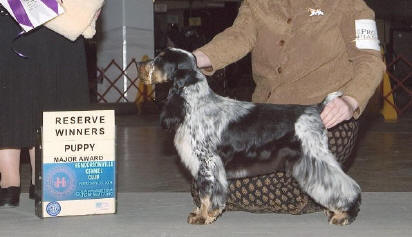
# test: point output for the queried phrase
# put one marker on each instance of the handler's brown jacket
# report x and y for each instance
(297, 58)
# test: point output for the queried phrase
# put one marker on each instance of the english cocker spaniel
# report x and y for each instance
(211, 131)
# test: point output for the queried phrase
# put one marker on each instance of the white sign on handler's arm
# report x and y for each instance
(77, 172)
(32, 13)
(366, 34)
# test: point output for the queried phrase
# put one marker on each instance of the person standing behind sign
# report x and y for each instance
(53, 76)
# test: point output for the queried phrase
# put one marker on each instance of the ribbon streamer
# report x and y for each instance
(14, 50)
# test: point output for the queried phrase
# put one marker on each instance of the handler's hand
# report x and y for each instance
(338, 110)
(202, 59)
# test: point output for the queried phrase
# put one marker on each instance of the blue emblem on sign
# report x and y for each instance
(53, 208)
(60, 182)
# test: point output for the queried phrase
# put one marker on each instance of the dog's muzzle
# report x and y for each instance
(146, 70)
(150, 74)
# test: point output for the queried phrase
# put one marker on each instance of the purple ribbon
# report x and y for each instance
(20, 13)
(52, 4)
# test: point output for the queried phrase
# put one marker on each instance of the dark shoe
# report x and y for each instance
(32, 191)
(10, 197)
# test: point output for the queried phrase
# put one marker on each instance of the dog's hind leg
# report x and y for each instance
(212, 186)
(320, 175)
(329, 186)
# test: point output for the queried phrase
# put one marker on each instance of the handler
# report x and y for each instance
(301, 51)
(54, 75)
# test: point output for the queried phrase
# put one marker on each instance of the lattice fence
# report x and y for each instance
(401, 84)
(114, 73)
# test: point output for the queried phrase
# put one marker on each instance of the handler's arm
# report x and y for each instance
(230, 45)
(367, 60)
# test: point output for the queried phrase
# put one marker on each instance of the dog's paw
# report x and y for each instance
(328, 213)
(193, 218)
(339, 219)
(216, 213)
(196, 219)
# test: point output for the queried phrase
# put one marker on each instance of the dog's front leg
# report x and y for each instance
(212, 187)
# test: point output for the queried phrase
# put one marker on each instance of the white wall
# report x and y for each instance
(125, 32)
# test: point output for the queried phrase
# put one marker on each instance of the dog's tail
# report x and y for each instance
(320, 175)
(329, 98)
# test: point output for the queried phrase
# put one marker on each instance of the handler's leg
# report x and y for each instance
(10, 177)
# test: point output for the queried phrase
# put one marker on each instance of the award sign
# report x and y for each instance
(77, 172)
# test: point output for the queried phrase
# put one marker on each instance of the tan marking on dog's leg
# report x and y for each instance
(202, 217)
(204, 206)
(339, 218)
(204, 210)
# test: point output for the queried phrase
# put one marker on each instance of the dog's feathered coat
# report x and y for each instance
(211, 131)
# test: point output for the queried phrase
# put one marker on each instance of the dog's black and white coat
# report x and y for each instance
(211, 131)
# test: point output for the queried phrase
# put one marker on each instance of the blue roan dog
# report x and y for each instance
(211, 130)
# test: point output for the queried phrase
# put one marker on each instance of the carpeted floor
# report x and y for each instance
(164, 214)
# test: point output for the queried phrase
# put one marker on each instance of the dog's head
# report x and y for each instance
(165, 65)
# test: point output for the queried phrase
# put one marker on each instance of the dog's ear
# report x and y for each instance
(188, 62)
(170, 122)
(184, 77)
(173, 112)
(169, 69)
